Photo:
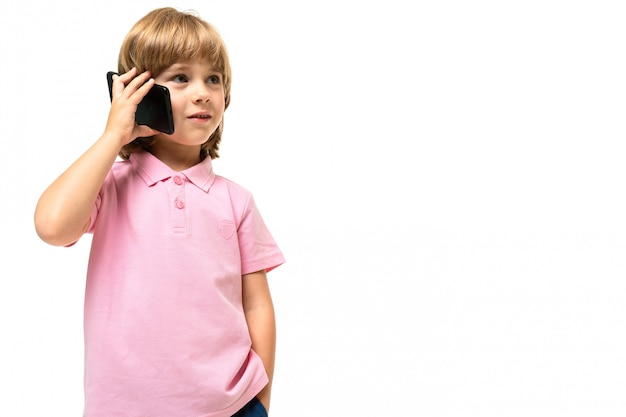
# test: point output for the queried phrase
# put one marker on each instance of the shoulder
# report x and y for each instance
(121, 167)
(119, 170)
(233, 194)
(233, 188)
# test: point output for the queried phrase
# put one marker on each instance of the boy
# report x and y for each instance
(179, 320)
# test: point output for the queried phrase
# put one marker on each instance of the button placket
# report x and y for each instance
(179, 213)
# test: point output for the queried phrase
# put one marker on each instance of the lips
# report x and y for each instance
(200, 115)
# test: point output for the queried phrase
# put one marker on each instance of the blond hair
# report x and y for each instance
(164, 37)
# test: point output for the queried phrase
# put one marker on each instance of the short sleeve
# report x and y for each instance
(92, 219)
(257, 246)
(94, 214)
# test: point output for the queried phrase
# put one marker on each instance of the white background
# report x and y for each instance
(445, 178)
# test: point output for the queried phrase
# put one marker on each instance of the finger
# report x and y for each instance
(127, 84)
(138, 88)
(120, 81)
(143, 90)
(134, 96)
(118, 86)
(144, 131)
(128, 75)
(138, 81)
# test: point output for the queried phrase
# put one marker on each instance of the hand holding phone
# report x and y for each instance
(155, 110)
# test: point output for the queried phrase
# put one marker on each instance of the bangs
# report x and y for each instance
(175, 37)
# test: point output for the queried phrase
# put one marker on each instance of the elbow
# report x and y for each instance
(49, 236)
(51, 230)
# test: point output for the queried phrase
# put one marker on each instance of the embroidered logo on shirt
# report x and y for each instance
(227, 228)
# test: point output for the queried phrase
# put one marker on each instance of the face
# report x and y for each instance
(197, 96)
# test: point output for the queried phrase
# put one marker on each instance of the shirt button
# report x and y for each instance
(179, 204)
(178, 181)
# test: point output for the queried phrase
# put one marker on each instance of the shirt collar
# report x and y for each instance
(152, 170)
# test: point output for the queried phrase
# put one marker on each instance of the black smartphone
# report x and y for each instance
(155, 110)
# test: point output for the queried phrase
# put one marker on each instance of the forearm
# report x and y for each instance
(63, 211)
(64, 208)
(262, 327)
(259, 312)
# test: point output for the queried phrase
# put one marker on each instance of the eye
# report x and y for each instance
(180, 78)
(214, 79)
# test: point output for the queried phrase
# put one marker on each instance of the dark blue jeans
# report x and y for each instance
(253, 409)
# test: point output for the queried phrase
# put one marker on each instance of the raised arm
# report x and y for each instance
(63, 211)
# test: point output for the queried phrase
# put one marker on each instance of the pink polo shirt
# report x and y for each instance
(165, 332)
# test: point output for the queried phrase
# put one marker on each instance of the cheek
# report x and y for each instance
(220, 105)
(221, 108)
(177, 106)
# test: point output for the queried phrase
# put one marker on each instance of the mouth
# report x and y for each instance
(200, 115)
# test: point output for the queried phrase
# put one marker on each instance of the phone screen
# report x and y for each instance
(155, 110)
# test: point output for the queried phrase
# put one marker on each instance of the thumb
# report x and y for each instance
(144, 131)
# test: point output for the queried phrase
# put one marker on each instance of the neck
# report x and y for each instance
(177, 158)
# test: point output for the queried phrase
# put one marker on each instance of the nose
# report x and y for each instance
(201, 93)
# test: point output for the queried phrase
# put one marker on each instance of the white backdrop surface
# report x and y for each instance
(446, 180)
